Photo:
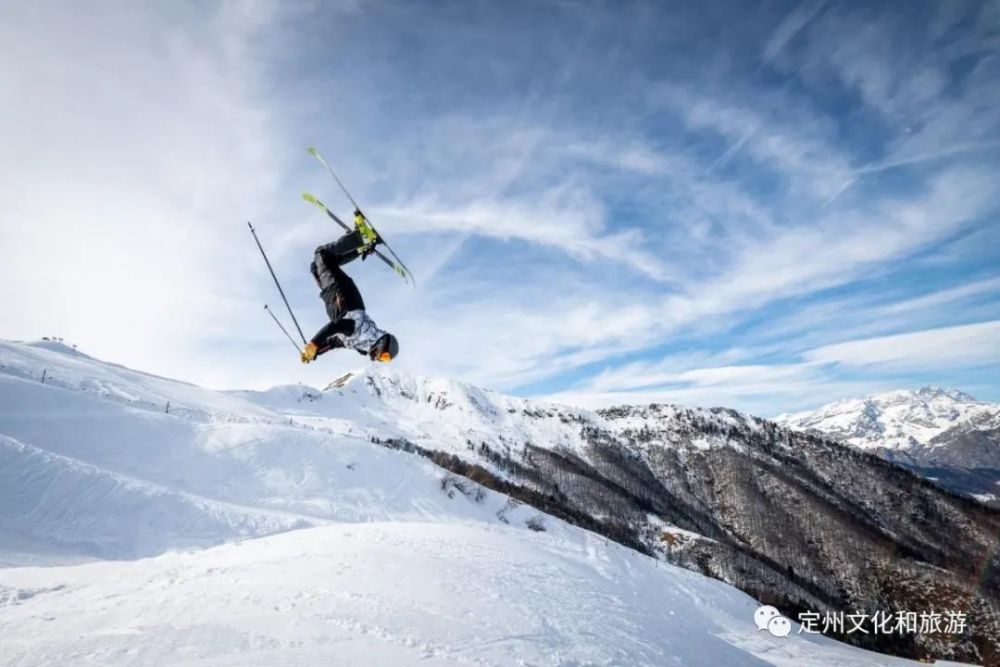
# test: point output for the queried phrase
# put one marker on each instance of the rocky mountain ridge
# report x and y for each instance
(944, 434)
(792, 518)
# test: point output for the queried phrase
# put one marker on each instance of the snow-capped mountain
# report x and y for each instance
(412, 498)
(943, 433)
(901, 421)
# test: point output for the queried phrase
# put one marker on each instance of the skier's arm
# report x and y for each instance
(324, 338)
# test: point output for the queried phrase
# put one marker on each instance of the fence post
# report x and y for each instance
(167, 410)
(44, 373)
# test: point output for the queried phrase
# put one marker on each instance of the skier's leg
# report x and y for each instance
(332, 255)
(348, 296)
(347, 247)
(337, 289)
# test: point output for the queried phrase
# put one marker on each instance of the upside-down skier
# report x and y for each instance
(349, 326)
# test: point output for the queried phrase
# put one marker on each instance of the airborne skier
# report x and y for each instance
(349, 326)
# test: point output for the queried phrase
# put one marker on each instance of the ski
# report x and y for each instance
(364, 225)
(394, 263)
(315, 153)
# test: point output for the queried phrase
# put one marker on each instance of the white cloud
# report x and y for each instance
(839, 248)
(790, 262)
(566, 219)
(766, 389)
(777, 131)
(136, 144)
(731, 377)
(141, 138)
(908, 78)
(947, 347)
(509, 338)
(807, 322)
(630, 156)
(942, 298)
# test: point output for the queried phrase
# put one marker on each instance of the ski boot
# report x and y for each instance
(369, 236)
(368, 233)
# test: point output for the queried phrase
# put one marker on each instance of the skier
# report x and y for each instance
(350, 325)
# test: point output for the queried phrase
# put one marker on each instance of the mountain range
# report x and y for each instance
(99, 462)
(943, 434)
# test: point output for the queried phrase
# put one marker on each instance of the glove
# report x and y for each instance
(309, 352)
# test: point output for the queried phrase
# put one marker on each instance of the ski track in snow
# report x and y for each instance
(263, 529)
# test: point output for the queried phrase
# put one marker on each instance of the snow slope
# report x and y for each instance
(264, 528)
(398, 593)
(107, 473)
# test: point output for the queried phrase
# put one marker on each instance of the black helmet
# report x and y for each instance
(385, 348)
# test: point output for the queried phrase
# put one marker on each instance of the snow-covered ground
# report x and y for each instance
(395, 593)
(264, 528)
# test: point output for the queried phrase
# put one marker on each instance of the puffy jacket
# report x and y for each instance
(354, 329)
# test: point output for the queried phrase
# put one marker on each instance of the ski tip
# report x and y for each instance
(309, 198)
(312, 151)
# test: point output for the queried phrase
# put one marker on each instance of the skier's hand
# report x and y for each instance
(309, 352)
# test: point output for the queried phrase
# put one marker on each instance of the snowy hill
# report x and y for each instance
(95, 463)
(944, 433)
(326, 529)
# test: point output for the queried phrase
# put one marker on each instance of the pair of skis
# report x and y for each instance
(363, 225)
(393, 260)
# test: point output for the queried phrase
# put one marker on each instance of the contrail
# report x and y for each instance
(790, 26)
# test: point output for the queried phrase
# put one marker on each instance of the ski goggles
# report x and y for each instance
(383, 357)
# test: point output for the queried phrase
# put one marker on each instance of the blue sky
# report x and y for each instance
(767, 206)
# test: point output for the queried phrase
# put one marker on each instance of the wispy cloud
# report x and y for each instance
(942, 297)
(947, 347)
(137, 145)
(569, 220)
(790, 26)
(808, 381)
(588, 206)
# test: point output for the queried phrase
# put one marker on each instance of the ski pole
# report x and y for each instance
(280, 291)
(283, 329)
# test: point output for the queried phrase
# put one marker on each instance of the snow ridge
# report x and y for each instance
(898, 420)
